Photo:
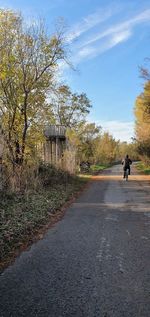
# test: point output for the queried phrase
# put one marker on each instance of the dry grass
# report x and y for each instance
(22, 215)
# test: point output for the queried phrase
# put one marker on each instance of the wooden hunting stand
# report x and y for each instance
(55, 143)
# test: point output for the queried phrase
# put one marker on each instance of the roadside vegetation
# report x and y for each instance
(143, 168)
(98, 167)
(23, 216)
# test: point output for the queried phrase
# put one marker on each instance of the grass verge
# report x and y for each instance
(98, 167)
(24, 218)
(143, 168)
(93, 170)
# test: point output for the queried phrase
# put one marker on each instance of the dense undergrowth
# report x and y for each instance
(21, 214)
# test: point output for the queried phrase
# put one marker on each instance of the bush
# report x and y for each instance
(49, 174)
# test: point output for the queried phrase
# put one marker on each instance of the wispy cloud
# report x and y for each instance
(120, 130)
(120, 37)
(89, 52)
(107, 39)
(90, 22)
(100, 42)
(86, 51)
(124, 26)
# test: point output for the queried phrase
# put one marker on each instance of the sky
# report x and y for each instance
(108, 42)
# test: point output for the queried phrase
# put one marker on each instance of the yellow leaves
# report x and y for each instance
(53, 41)
(142, 116)
(29, 41)
(7, 71)
(72, 137)
(28, 60)
(3, 75)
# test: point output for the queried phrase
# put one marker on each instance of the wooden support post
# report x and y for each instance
(51, 149)
(56, 150)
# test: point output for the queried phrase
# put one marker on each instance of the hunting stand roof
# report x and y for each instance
(55, 131)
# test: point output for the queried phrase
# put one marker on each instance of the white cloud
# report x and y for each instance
(91, 51)
(90, 22)
(121, 27)
(120, 37)
(86, 51)
(120, 130)
(103, 41)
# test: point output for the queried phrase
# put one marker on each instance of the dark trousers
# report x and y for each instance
(126, 168)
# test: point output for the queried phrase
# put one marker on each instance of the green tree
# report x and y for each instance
(106, 149)
(70, 109)
(28, 63)
(125, 148)
(142, 126)
(87, 134)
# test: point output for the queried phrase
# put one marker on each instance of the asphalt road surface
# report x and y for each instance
(93, 263)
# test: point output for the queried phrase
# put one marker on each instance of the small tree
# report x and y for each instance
(70, 109)
(88, 133)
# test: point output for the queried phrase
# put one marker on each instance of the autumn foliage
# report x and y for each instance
(142, 124)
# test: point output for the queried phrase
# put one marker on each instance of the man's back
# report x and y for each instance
(127, 162)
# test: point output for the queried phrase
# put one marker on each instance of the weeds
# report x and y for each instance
(22, 213)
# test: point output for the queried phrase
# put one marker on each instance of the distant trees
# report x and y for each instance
(96, 146)
(106, 149)
(91, 144)
(128, 148)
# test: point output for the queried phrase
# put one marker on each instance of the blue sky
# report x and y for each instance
(108, 40)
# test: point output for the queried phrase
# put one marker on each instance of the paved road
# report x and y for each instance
(93, 263)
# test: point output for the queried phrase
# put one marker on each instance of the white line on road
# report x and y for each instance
(101, 250)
